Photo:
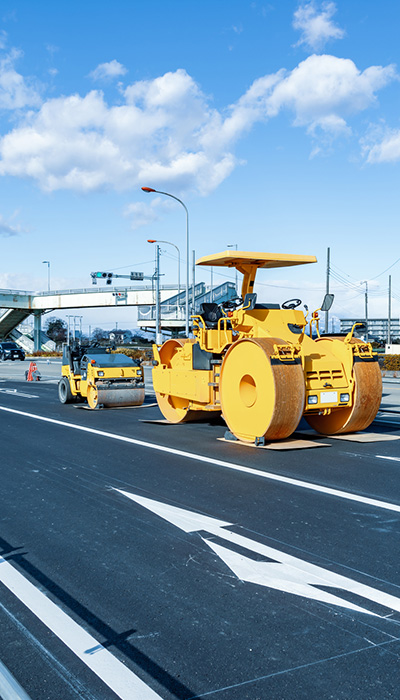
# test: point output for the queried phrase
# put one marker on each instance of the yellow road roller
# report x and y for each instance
(265, 366)
(106, 379)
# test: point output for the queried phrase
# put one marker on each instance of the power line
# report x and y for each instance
(342, 272)
(388, 268)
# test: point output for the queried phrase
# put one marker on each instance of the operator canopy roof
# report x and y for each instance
(238, 258)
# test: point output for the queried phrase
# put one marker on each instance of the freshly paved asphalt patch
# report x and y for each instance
(231, 603)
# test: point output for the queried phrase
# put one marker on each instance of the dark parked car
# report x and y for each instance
(11, 351)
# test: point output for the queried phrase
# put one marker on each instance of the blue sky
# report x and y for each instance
(276, 122)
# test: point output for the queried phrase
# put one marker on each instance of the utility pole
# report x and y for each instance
(212, 290)
(193, 281)
(328, 260)
(158, 325)
(366, 308)
(389, 310)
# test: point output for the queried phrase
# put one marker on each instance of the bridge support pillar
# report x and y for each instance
(37, 330)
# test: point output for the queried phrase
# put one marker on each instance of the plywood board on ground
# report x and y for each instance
(355, 437)
(159, 421)
(288, 444)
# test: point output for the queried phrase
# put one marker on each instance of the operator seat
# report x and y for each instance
(210, 313)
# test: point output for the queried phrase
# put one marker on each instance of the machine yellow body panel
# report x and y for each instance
(256, 364)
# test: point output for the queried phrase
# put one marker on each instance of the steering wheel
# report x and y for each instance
(232, 303)
(291, 304)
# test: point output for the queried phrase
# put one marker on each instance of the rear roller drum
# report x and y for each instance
(260, 397)
(367, 398)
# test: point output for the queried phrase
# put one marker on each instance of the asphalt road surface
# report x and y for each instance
(142, 560)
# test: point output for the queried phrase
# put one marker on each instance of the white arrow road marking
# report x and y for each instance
(125, 684)
(280, 576)
(287, 573)
(14, 392)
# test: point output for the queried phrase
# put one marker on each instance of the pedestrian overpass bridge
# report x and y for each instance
(18, 305)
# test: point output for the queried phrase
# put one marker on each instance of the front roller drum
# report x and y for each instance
(366, 401)
(175, 408)
(261, 397)
(115, 396)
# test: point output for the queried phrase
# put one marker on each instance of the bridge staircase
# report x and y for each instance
(10, 319)
(172, 310)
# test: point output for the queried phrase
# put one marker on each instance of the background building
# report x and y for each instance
(377, 327)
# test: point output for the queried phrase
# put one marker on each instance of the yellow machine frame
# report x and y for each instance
(257, 366)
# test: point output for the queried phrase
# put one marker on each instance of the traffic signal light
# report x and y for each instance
(107, 276)
(104, 275)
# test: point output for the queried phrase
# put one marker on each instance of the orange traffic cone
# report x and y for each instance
(33, 373)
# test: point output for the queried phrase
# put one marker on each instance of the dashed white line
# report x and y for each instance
(14, 392)
(393, 459)
(217, 462)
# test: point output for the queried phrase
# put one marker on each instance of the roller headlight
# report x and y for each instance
(344, 398)
(312, 399)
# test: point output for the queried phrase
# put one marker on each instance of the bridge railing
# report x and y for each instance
(168, 312)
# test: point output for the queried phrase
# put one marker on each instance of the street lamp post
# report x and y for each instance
(234, 245)
(152, 240)
(47, 262)
(158, 311)
(366, 308)
(167, 194)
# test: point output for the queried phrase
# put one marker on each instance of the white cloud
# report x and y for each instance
(15, 91)
(165, 132)
(141, 213)
(82, 143)
(382, 145)
(316, 25)
(107, 71)
(3, 39)
(323, 90)
(8, 229)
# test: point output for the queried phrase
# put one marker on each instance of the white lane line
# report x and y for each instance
(394, 459)
(125, 684)
(15, 392)
(217, 462)
(10, 689)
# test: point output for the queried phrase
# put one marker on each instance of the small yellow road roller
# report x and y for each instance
(104, 378)
(264, 366)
